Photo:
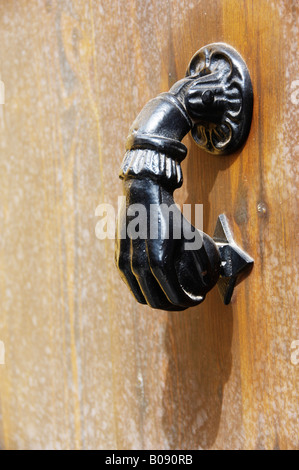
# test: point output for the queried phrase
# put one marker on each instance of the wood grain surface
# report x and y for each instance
(86, 367)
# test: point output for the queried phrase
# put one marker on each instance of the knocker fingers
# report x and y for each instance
(123, 262)
(162, 264)
(149, 286)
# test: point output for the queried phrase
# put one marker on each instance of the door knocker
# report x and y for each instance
(157, 261)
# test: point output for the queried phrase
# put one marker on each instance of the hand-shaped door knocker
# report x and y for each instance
(165, 261)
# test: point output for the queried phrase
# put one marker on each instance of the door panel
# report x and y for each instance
(85, 365)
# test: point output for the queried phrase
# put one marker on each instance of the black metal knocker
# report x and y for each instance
(165, 261)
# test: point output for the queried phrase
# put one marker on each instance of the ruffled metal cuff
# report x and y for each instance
(139, 163)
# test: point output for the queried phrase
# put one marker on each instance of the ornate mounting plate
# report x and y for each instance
(228, 77)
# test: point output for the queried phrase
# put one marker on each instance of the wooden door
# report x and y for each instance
(85, 365)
